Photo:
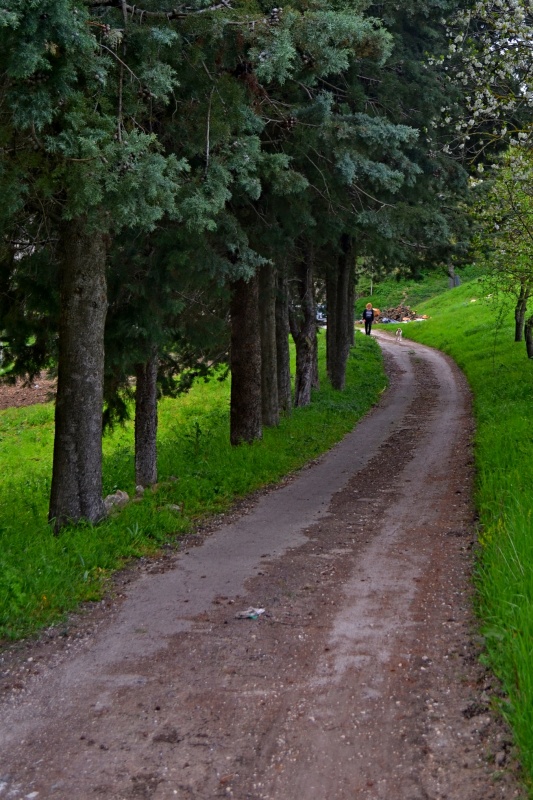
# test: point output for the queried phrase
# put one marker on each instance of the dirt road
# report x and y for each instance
(359, 680)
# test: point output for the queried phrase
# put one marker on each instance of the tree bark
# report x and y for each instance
(453, 279)
(303, 330)
(76, 491)
(342, 289)
(315, 381)
(269, 368)
(282, 344)
(529, 336)
(146, 422)
(331, 329)
(520, 311)
(350, 310)
(245, 362)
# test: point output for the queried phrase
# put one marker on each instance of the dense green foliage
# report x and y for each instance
(43, 576)
(193, 147)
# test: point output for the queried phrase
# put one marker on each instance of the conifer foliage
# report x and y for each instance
(81, 163)
(163, 166)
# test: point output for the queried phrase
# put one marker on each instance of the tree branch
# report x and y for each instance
(207, 135)
(181, 12)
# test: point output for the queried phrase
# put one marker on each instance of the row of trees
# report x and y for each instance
(178, 183)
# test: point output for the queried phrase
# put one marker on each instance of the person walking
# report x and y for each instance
(368, 318)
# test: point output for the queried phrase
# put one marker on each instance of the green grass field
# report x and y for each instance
(478, 331)
(43, 576)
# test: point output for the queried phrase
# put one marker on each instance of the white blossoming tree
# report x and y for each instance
(491, 55)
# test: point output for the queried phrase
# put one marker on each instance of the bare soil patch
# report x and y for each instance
(23, 393)
(360, 679)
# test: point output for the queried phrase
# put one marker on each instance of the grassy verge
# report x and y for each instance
(478, 331)
(43, 576)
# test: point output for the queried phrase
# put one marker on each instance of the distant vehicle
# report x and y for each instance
(321, 314)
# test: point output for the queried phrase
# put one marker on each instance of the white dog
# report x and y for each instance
(399, 334)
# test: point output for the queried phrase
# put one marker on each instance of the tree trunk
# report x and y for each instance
(453, 279)
(342, 303)
(303, 329)
(520, 312)
(282, 345)
(76, 491)
(245, 362)
(315, 381)
(350, 310)
(269, 368)
(529, 336)
(146, 422)
(331, 329)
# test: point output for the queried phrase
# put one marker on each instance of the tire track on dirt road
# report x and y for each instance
(360, 680)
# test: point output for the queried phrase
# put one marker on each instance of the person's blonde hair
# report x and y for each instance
(369, 305)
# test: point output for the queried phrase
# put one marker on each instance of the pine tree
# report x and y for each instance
(81, 157)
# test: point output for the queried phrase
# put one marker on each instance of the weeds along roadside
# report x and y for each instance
(43, 576)
(477, 331)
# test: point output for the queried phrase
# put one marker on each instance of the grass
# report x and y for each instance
(390, 293)
(43, 576)
(478, 331)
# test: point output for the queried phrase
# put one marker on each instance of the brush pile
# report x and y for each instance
(399, 313)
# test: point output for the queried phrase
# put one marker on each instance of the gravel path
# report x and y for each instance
(360, 679)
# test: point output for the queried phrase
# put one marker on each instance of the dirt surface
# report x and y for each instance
(359, 680)
(22, 393)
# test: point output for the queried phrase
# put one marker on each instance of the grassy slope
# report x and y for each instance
(390, 293)
(478, 332)
(42, 576)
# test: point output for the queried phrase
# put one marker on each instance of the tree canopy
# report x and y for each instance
(159, 162)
